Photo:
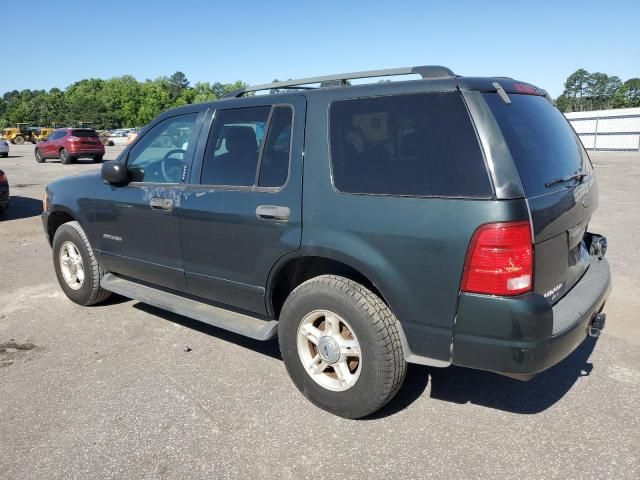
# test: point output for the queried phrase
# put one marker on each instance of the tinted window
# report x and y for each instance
(233, 147)
(274, 164)
(57, 135)
(418, 145)
(158, 156)
(84, 133)
(543, 145)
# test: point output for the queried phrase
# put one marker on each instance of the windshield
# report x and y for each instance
(543, 144)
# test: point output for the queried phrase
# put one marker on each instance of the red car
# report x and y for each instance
(69, 144)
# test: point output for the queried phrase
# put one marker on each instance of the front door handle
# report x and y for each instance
(273, 212)
(161, 203)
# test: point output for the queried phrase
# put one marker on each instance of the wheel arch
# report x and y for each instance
(56, 219)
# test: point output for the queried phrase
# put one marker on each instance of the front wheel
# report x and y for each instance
(39, 157)
(341, 346)
(77, 269)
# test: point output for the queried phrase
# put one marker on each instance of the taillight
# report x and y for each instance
(499, 259)
(3, 177)
(525, 89)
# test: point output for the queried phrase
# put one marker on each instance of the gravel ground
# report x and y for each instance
(112, 392)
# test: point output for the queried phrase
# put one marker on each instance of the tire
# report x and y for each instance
(65, 158)
(97, 159)
(88, 292)
(4, 155)
(39, 157)
(18, 140)
(380, 369)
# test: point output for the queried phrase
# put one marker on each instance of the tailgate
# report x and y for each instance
(547, 155)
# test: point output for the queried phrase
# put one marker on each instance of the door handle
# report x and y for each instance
(273, 212)
(161, 203)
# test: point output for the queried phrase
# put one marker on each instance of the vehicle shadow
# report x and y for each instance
(452, 384)
(21, 207)
(269, 348)
(465, 385)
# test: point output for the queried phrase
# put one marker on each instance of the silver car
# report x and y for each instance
(4, 148)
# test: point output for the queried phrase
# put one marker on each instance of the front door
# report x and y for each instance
(242, 210)
(138, 224)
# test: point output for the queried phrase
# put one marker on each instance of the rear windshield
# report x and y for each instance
(84, 133)
(543, 144)
(412, 144)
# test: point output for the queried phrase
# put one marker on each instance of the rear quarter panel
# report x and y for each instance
(412, 249)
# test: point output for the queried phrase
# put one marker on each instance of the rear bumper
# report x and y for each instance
(525, 335)
(85, 150)
(4, 196)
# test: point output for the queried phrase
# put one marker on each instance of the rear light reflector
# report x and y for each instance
(499, 259)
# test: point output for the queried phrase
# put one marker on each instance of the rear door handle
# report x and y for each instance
(161, 203)
(273, 212)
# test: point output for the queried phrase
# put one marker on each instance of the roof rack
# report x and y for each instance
(425, 71)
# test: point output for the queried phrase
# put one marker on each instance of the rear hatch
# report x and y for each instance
(87, 137)
(558, 182)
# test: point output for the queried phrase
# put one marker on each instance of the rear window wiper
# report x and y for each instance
(576, 176)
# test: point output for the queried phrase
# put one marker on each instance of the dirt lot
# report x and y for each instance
(112, 392)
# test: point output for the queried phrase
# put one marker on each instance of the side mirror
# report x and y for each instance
(115, 173)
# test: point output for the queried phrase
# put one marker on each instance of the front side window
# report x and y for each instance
(410, 145)
(235, 154)
(158, 157)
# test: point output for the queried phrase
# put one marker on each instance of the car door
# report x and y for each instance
(241, 211)
(49, 147)
(138, 224)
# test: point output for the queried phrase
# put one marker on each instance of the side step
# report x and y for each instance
(218, 317)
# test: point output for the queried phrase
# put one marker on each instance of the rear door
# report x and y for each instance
(547, 152)
(242, 210)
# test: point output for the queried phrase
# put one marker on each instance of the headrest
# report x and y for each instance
(241, 140)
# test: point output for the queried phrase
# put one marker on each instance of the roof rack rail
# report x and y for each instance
(425, 71)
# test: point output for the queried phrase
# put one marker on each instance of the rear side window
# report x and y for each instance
(414, 145)
(249, 144)
(84, 133)
(543, 145)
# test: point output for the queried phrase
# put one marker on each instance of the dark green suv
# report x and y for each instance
(435, 221)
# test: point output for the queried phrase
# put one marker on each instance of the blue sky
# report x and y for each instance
(540, 42)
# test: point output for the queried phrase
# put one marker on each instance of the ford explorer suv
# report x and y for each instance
(69, 144)
(438, 221)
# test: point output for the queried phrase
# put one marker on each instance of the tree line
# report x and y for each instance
(585, 91)
(122, 102)
(118, 102)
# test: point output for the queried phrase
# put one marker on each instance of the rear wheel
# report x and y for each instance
(39, 157)
(65, 157)
(97, 159)
(341, 346)
(18, 140)
(5, 155)
(77, 269)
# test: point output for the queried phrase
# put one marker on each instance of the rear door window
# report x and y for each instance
(414, 144)
(249, 147)
(543, 145)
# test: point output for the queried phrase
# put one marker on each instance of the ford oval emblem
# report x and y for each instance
(586, 201)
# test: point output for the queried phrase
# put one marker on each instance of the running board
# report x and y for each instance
(246, 325)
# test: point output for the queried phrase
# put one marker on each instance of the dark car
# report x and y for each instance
(69, 144)
(5, 197)
(437, 221)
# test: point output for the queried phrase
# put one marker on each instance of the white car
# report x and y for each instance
(4, 148)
